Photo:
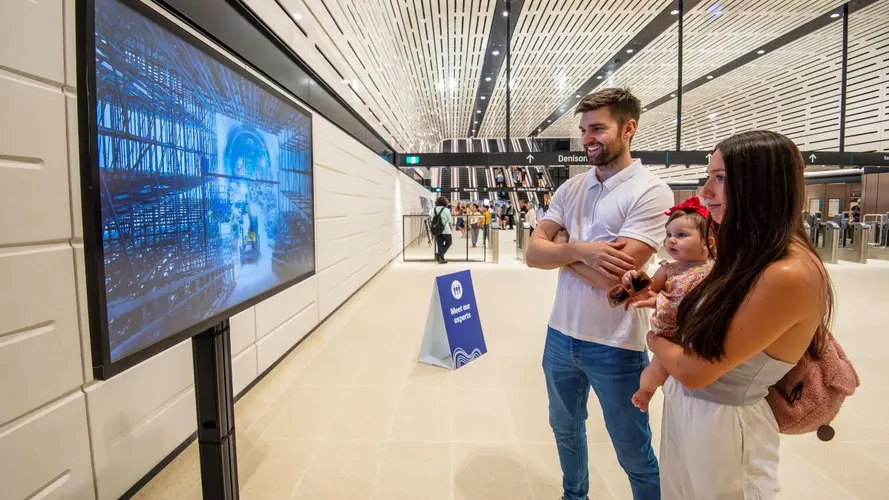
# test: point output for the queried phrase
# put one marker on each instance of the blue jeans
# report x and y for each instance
(571, 366)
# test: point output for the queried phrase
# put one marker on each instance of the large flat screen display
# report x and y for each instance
(198, 188)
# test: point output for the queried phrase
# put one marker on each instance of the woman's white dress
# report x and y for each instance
(721, 442)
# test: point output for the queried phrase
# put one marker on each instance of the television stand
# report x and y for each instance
(216, 412)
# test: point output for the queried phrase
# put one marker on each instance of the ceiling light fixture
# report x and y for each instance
(487, 78)
(599, 77)
(760, 51)
(835, 15)
(478, 111)
(629, 51)
(674, 11)
(709, 77)
(483, 98)
(672, 95)
(644, 109)
(505, 14)
(577, 96)
(496, 52)
(297, 16)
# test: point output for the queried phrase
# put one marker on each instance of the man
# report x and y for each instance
(509, 212)
(614, 215)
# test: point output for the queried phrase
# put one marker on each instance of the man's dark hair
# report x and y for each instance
(624, 106)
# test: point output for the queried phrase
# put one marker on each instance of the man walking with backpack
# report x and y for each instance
(441, 228)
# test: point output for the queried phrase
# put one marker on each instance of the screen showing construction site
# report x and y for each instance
(204, 177)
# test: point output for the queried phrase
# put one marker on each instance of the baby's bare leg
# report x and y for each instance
(653, 376)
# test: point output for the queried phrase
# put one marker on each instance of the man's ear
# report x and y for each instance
(630, 129)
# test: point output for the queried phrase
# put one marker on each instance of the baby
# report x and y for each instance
(688, 244)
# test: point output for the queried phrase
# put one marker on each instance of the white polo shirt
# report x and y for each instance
(630, 204)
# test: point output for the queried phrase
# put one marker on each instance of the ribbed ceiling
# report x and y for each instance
(412, 68)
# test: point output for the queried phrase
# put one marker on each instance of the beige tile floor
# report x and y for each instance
(350, 414)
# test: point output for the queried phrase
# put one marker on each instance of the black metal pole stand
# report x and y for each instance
(216, 412)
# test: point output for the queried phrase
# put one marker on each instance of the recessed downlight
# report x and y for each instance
(496, 52)
(760, 51)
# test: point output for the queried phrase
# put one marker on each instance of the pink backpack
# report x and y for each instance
(809, 396)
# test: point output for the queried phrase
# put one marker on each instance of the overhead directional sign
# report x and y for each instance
(837, 158)
(688, 157)
(539, 158)
(647, 157)
(493, 190)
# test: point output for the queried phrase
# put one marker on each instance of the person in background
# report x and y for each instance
(531, 216)
(458, 215)
(475, 219)
(444, 240)
(486, 228)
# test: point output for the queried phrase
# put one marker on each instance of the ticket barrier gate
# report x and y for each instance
(522, 240)
(878, 240)
(825, 236)
(858, 248)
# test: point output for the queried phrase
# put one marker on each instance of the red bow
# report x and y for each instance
(692, 205)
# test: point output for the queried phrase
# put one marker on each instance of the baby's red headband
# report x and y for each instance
(693, 205)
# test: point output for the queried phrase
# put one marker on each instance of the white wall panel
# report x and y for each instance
(140, 416)
(34, 198)
(244, 369)
(39, 334)
(70, 45)
(46, 454)
(274, 311)
(272, 346)
(20, 21)
(74, 167)
(243, 330)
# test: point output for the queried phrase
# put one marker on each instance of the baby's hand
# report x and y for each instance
(562, 237)
(627, 279)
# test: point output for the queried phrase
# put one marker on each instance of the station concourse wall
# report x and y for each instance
(63, 434)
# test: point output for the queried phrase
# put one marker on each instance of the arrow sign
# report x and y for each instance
(530, 158)
(709, 156)
(813, 157)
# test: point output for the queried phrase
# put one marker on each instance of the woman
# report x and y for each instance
(444, 240)
(766, 302)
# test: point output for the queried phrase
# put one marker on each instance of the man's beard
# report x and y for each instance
(608, 155)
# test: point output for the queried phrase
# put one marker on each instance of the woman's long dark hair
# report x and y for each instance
(764, 196)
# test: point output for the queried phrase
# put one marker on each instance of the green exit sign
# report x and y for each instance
(437, 190)
(412, 160)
